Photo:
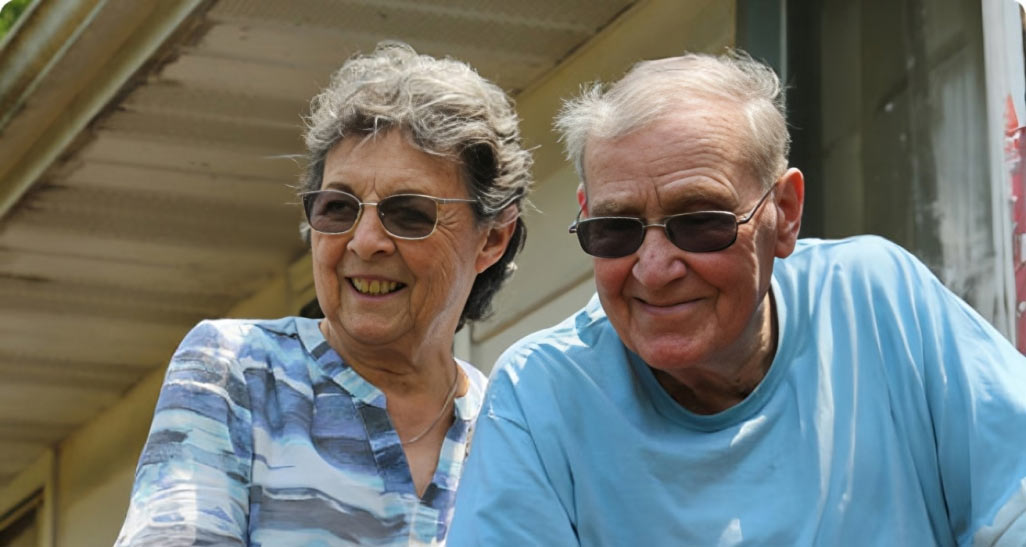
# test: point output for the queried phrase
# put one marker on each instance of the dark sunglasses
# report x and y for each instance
(404, 216)
(698, 232)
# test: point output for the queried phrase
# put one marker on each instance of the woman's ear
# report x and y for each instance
(789, 201)
(499, 234)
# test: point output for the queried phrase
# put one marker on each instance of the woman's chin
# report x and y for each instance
(368, 331)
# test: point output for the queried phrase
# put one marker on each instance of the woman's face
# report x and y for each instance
(376, 289)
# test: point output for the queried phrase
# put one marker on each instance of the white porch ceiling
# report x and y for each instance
(170, 202)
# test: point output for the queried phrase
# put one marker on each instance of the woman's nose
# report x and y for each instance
(369, 235)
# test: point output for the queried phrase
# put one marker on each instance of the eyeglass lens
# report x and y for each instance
(405, 216)
(694, 232)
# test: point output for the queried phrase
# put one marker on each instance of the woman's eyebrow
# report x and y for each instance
(338, 185)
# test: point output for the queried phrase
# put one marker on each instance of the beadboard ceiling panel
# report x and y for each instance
(148, 153)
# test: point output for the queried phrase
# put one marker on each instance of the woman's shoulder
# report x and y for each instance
(474, 374)
(224, 332)
(232, 341)
(468, 405)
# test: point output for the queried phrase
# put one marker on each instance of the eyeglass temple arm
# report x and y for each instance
(577, 220)
(750, 215)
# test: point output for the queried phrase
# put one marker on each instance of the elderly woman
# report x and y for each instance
(352, 429)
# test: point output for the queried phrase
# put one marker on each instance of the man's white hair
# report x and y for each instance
(654, 89)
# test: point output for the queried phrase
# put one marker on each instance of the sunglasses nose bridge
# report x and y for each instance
(645, 226)
(359, 216)
(644, 232)
(657, 259)
(377, 211)
(361, 205)
(382, 215)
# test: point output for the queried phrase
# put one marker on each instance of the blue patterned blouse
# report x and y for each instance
(263, 436)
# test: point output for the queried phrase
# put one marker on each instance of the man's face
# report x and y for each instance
(681, 310)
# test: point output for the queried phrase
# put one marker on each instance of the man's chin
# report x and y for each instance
(669, 353)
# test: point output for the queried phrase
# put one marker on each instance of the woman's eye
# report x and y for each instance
(338, 207)
(410, 216)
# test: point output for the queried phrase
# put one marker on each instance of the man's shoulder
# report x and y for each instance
(830, 278)
(863, 256)
(582, 341)
(853, 249)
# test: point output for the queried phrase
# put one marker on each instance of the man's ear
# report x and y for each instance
(789, 201)
(499, 234)
(582, 198)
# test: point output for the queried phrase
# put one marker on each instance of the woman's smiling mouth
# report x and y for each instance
(374, 287)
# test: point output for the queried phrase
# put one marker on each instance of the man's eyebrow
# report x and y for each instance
(703, 193)
(698, 200)
(613, 207)
(703, 201)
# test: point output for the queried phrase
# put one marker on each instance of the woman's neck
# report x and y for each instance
(398, 368)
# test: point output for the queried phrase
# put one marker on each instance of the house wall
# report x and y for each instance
(88, 476)
(903, 139)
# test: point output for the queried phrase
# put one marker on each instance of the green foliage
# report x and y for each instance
(9, 14)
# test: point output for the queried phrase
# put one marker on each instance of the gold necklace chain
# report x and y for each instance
(445, 405)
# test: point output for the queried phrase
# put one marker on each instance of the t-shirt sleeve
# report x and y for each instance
(975, 383)
(506, 495)
(191, 481)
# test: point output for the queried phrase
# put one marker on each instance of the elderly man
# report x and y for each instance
(731, 384)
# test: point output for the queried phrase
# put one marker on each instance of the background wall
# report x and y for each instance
(901, 141)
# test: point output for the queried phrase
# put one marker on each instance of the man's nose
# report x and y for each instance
(659, 261)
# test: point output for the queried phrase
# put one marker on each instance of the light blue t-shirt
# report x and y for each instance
(892, 414)
(263, 435)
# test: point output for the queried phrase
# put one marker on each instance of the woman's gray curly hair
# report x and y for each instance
(444, 108)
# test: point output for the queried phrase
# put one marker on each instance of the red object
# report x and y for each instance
(1015, 152)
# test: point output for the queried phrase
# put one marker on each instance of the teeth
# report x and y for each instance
(374, 287)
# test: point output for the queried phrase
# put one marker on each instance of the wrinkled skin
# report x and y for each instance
(702, 321)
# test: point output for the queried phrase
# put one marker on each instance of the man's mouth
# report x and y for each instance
(667, 306)
(374, 287)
